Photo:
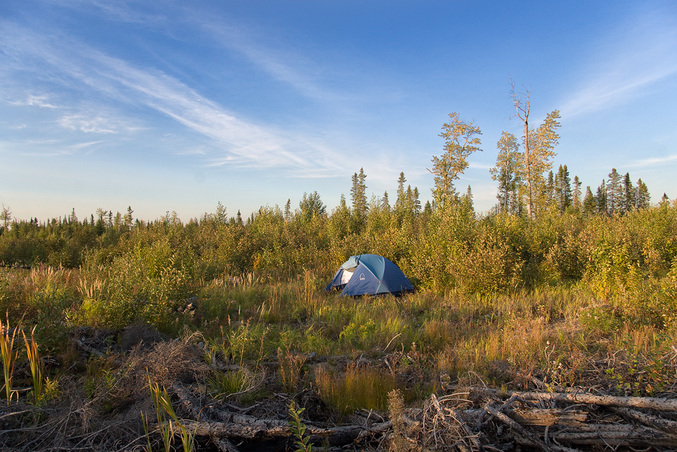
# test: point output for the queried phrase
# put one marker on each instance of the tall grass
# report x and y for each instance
(9, 355)
(359, 387)
(35, 364)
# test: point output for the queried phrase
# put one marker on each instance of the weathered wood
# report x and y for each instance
(615, 435)
(522, 435)
(651, 403)
(223, 445)
(245, 428)
(549, 417)
(649, 420)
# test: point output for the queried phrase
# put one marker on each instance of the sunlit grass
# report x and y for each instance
(359, 387)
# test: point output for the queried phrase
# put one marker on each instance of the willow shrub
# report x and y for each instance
(149, 282)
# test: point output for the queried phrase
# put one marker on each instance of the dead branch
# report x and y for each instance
(649, 420)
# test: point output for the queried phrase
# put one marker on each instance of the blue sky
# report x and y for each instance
(176, 106)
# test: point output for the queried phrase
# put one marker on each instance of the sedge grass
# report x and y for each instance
(8, 354)
(360, 387)
(35, 364)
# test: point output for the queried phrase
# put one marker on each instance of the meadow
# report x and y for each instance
(107, 320)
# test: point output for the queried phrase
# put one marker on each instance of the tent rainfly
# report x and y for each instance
(369, 274)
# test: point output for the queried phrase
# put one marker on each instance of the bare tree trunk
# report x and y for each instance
(523, 107)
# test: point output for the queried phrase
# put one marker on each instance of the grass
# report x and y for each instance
(35, 365)
(8, 354)
(290, 337)
(359, 387)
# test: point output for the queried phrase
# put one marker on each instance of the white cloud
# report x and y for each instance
(41, 101)
(87, 124)
(242, 141)
(653, 161)
(636, 56)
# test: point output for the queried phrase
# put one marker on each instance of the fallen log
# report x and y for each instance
(651, 403)
(544, 417)
(261, 429)
(521, 434)
(649, 420)
(615, 435)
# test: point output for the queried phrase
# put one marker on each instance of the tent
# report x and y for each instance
(369, 274)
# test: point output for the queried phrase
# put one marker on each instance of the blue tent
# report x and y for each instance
(369, 274)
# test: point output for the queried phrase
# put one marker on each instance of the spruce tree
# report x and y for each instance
(614, 192)
(358, 192)
(589, 202)
(577, 194)
(643, 200)
(601, 199)
(629, 196)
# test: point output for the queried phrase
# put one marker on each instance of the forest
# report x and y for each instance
(216, 333)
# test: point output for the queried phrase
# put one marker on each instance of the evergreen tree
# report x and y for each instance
(311, 206)
(614, 192)
(358, 193)
(643, 200)
(128, 218)
(628, 198)
(563, 188)
(577, 194)
(601, 199)
(550, 191)
(287, 211)
(399, 203)
(507, 172)
(385, 202)
(589, 202)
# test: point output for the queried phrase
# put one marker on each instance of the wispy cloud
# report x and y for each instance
(89, 144)
(653, 161)
(281, 64)
(86, 124)
(242, 141)
(638, 55)
(41, 101)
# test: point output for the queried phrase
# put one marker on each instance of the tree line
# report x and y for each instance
(543, 229)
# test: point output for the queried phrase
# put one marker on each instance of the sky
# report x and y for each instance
(174, 106)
